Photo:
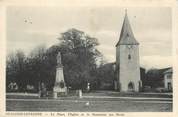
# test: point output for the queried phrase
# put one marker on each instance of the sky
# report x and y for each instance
(29, 27)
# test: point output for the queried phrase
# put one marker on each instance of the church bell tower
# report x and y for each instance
(127, 60)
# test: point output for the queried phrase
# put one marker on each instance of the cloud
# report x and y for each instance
(151, 27)
(107, 51)
(27, 40)
(156, 61)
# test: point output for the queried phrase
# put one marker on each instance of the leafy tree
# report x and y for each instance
(40, 68)
(106, 75)
(79, 57)
(155, 77)
(15, 69)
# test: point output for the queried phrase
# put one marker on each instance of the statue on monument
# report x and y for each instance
(59, 87)
(59, 59)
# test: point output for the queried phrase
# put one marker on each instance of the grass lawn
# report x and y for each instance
(80, 105)
(74, 104)
(129, 94)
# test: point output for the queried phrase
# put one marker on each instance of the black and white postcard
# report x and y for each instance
(88, 58)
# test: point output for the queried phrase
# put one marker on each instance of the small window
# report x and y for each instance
(129, 56)
(169, 76)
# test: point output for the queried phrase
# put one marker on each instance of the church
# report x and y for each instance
(127, 60)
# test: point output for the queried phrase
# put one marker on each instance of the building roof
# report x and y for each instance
(126, 35)
(168, 71)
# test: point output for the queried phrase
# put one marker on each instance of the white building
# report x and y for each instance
(168, 79)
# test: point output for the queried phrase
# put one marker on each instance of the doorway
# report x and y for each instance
(131, 87)
(169, 86)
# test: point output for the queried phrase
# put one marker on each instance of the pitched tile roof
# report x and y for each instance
(126, 35)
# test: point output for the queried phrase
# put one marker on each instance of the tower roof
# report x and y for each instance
(126, 35)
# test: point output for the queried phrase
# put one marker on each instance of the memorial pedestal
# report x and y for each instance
(60, 88)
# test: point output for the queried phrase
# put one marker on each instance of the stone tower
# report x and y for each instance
(127, 60)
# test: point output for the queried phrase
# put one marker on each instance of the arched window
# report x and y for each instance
(129, 56)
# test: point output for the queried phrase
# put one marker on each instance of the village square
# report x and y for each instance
(73, 76)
